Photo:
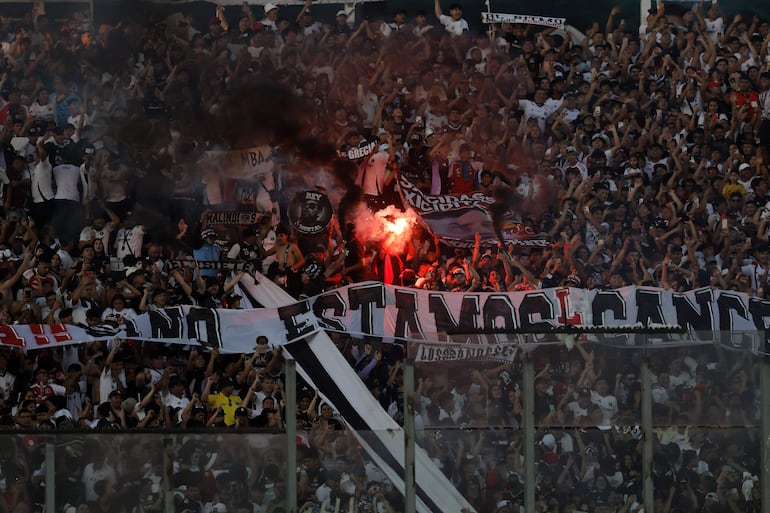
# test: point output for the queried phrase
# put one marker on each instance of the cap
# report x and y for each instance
(240, 411)
(115, 393)
(712, 496)
(574, 280)
(743, 166)
(549, 441)
(63, 413)
(226, 382)
(232, 298)
(269, 7)
(584, 392)
(342, 12)
(208, 232)
(89, 149)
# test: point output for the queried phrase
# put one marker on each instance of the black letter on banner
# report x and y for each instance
(367, 298)
(469, 311)
(760, 311)
(441, 314)
(445, 322)
(131, 331)
(691, 319)
(648, 309)
(208, 316)
(330, 301)
(406, 305)
(730, 303)
(499, 306)
(288, 314)
(535, 303)
(166, 323)
(609, 301)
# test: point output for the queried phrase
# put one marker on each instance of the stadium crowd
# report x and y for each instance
(641, 153)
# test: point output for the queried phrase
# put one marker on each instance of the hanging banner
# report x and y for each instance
(239, 217)
(238, 176)
(418, 316)
(524, 19)
(232, 265)
(431, 353)
(456, 218)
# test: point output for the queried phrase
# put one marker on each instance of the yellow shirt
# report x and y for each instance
(228, 403)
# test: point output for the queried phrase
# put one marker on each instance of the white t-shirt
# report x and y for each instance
(539, 112)
(41, 184)
(89, 234)
(43, 112)
(454, 27)
(128, 241)
(67, 179)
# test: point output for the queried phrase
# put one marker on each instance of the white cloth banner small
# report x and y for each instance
(526, 19)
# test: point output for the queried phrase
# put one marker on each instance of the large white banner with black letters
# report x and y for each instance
(374, 309)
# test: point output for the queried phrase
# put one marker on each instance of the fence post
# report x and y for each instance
(528, 416)
(648, 433)
(410, 500)
(50, 473)
(291, 434)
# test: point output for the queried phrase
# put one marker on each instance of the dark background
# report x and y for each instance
(579, 14)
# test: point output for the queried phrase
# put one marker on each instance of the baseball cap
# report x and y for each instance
(269, 7)
(115, 393)
(342, 12)
(241, 411)
(571, 149)
(226, 382)
(743, 166)
(208, 232)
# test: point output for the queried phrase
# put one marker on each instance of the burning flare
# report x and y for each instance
(390, 227)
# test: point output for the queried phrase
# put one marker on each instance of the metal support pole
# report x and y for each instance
(291, 434)
(528, 417)
(410, 502)
(50, 474)
(647, 446)
(764, 449)
(167, 482)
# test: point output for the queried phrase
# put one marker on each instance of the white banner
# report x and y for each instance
(493, 17)
(416, 315)
(237, 176)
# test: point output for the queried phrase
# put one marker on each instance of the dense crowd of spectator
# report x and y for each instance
(652, 141)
